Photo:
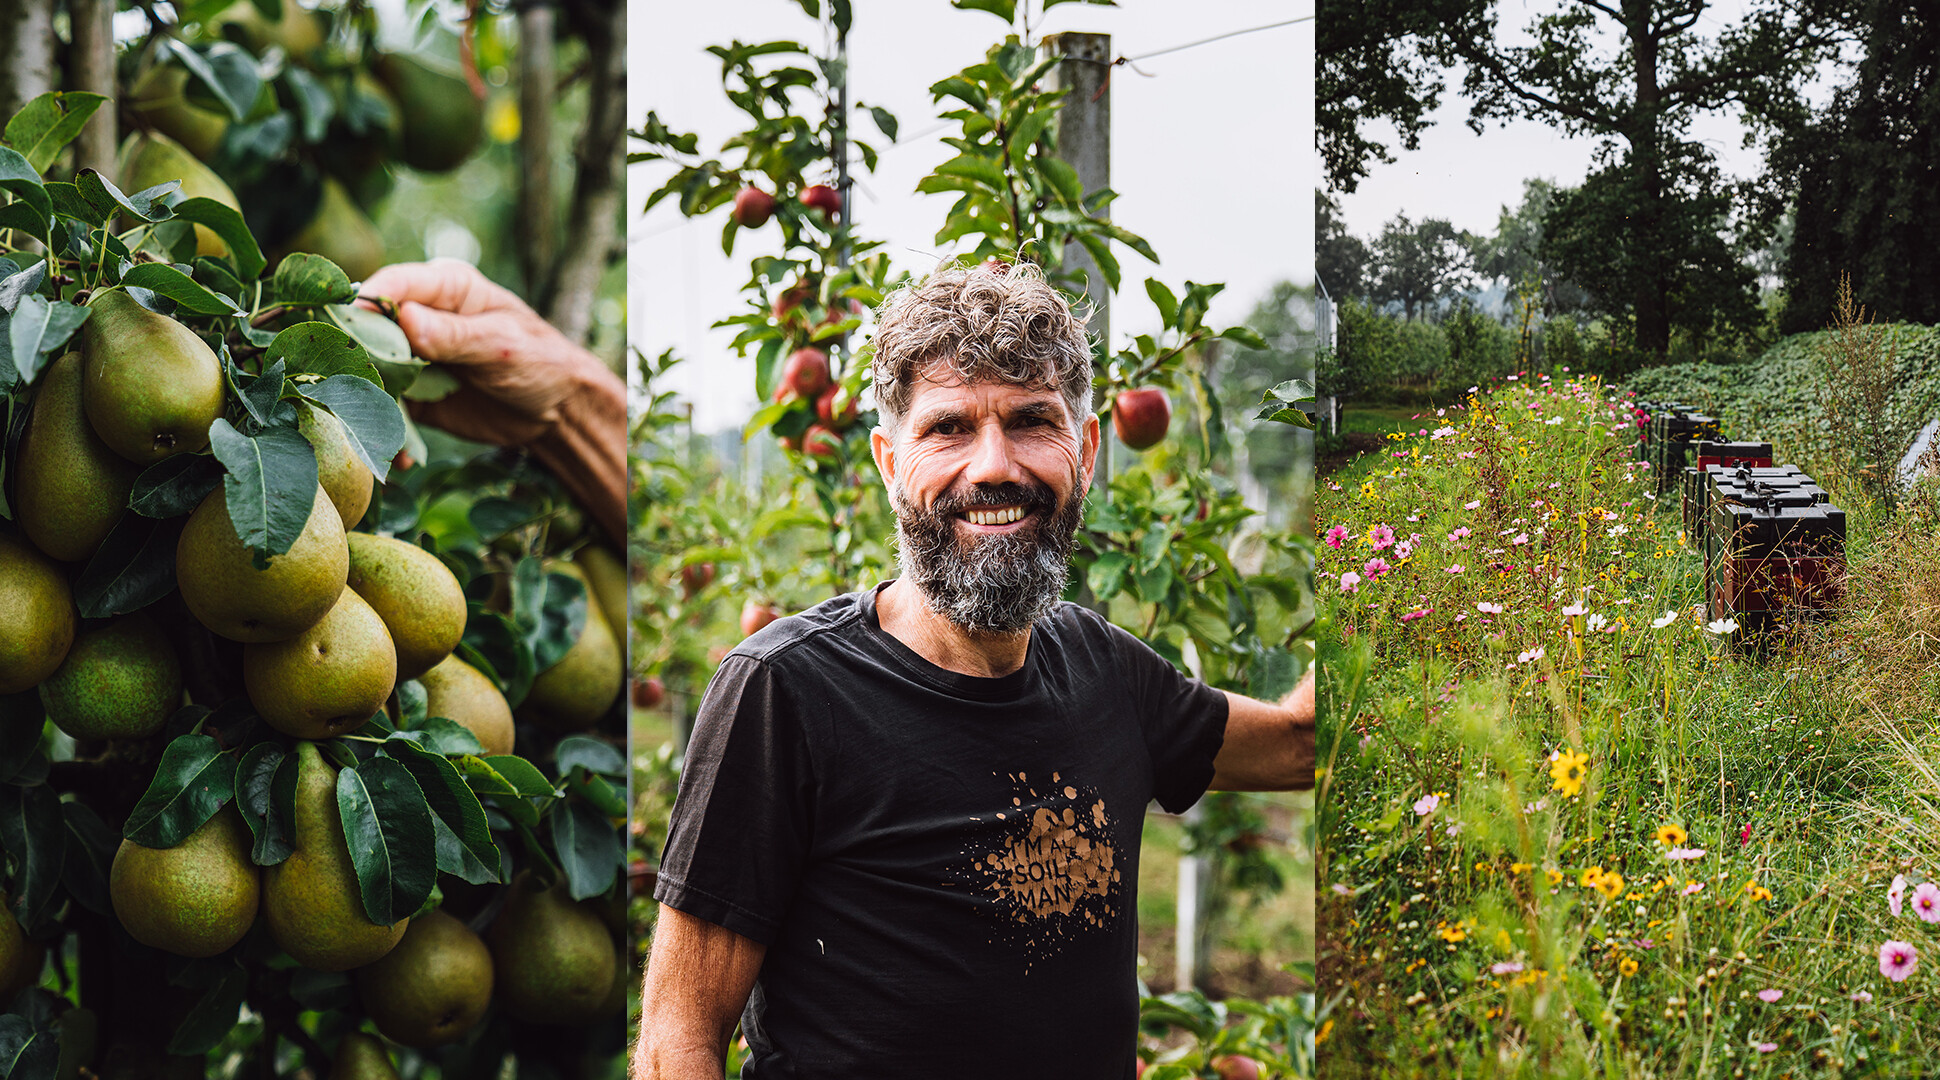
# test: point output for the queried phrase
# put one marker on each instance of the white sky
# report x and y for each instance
(1467, 178)
(1212, 157)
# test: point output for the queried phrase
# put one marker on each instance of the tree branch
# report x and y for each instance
(592, 223)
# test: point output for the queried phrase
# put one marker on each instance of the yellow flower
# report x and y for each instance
(1610, 884)
(1627, 966)
(1519, 868)
(1591, 877)
(1568, 768)
(1672, 835)
(1757, 891)
(1452, 933)
(1555, 877)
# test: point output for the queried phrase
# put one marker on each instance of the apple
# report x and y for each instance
(805, 375)
(790, 299)
(820, 442)
(695, 577)
(755, 615)
(752, 208)
(649, 692)
(1237, 1067)
(825, 409)
(824, 198)
(1141, 416)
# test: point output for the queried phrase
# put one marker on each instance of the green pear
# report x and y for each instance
(605, 575)
(441, 122)
(150, 386)
(119, 681)
(150, 158)
(433, 987)
(458, 691)
(70, 489)
(224, 590)
(160, 99)
(341, 472)
(329, 679)
(297, 31)
(195, 899)
(311, 901)
(340, 232)
(554, 960)
(360, 1057)
(419, 598)
(37, 615)
(21, 957)
(574, 693)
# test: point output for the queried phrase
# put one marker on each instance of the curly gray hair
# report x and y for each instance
(982, 323)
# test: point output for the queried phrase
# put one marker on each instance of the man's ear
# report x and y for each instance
(1088, 451)
(882, 446)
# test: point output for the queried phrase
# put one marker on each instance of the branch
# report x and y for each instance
(592, 222)
(1493, 65)
(537, 104)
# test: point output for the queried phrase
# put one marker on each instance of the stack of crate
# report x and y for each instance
(1674, 429)
(1774, 548)
(1714, 455)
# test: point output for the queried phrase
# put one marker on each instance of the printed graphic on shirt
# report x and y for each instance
(1054, 867)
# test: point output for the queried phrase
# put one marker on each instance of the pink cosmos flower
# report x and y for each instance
(1336, 535)
(1693, 889)
(1896, 892)
(1380, 537)
(1375, 568)
(1404, 549)
(1862, 995)
(1471, 505)
(1419, 613)
(1770, 997)
(1574, 610)
(1505, 967)
(1487, 608)
(1685, 854)
(1350, 582)
(1897, 959)
(1520, 538)
(1536, 653)
(1426, 805)
(1766, 1048)
(1456, 568)
(1926, 901)
(1459, 534)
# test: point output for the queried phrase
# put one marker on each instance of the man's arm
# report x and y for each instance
(1268, 747)
(698, 980)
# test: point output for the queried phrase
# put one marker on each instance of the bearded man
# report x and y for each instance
(907, 835)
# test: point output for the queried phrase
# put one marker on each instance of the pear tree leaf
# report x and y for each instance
(107, 200)
(19, 176)
(258, 775)
(91, 846)
(461, 862)
(227, 223)
(302, 278)
(271, 486)
(1107, 576)
(588, 846)
(455, 804)
(597, 756)
(38, 326)
(411, 699)
(259, 398)
(228, 72)
(175, 485)
(387, 825)
(597, 790)
(318, 348)
(133, 567)
(191, 783)
(443, 735)
(20, 284)
(373, 419)
(1246, 336)
(35, 839)
(27, 1053)
(494, 645)
(524, 777)
(562, 619)
(214, 1016)
(171, 281)
(485, 779)
(49, 122)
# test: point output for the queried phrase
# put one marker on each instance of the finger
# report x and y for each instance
(439, 335)
(447, 284)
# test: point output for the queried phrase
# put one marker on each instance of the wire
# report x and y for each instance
(1210, 40)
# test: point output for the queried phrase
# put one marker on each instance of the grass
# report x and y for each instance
(1503, 785)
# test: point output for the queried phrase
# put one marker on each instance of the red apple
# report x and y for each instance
(649, 692)
(805, 375)
(1237, 1067)
(1141, 416)
(755, 615)
(752, 208)
(790, 299)
(825, 409)
(694, 578)
(824, 198)
(820, 442)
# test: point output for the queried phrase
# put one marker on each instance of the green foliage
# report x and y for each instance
(1277, 1034)
(1418, 264)
(1383, 60)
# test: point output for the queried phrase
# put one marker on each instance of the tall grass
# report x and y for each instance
(1513, 752)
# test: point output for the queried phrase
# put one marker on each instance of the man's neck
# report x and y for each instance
(905, 616)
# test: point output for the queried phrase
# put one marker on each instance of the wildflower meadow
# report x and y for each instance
(1563, 830)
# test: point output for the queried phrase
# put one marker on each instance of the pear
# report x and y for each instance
(21, 957)
(37, 616)
(421, 601)
(575, 692)
(70, 489)
(195, 899)
(554, 960)
(160, 99)
(329, 679)
(360, 1057)
(224, 590)
(433, 987)
(440, 120)
(458, 691)
(341, 472)
(605, 575)
(150, 386)
(342, 233)
(119, 681)
(298, 32)
(150, 158)
(311, 900)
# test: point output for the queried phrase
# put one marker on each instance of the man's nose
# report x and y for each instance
(991, 461)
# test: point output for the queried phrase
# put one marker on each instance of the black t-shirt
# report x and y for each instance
(943, 867)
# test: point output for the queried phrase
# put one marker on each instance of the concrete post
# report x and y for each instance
(1084, 141)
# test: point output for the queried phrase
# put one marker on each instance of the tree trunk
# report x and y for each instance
(592, 223)
(538, 79)
(1652, 297)
(91, 67)
(26, 53)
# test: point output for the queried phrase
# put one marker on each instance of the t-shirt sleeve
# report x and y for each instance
(1183, 719)
(741, 826)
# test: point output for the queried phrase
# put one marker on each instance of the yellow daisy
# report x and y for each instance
(1627, 966)
(1568, 769)
(1672, 835)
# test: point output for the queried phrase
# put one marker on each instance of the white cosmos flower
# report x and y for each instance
(1668, 618)
(1721, 626)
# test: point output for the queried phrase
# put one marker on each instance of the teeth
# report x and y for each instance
(995, 517)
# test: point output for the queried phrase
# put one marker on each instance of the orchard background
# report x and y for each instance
(300, 149)
(755, 494)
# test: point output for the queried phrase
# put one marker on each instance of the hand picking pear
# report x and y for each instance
(458, 691)
(311, 900)
(71, 489)
(226, 593)
(195, 899)
(37, 615)
(433, 987)
(553, 958)
(360, 1057)
(150, 386)
(340, 471)
(329, 679)
(421, 601)
(574, 693)
(21, 957)
(120, 681)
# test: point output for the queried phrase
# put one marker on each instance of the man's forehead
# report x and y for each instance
(940, 386)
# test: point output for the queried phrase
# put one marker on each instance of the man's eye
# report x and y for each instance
(947, 427)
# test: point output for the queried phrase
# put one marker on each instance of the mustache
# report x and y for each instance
(1032, 497)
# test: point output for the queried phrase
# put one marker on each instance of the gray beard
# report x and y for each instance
(988, 584)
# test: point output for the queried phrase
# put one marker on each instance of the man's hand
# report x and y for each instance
(1268, 747)
(521, 381)
(698, 980)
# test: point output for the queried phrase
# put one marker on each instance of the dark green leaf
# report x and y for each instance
(271, 486)
(1162, 296)
(27, 1053)
(496, 515)
(521, 774)
(1245, 336)
(410, 704)
(589, 848)
(174, 485)
(1100, 252)
(1003, 9)
(371, 417)
(443, 735)
(963, 90)
(455, 804)
(597, 790)
(498, 648)
(1107, 575)
(107, 200)
(318, 348)
(169, 280)
(39, 326)
(133, 567)
(91, 846)
(885, 121)
(49, 122)
(214, 1016)
(21, 216)
(561, 621)
(384, 341)
(981, 169)
(227, 71)
(388, 829)
(19, 176)
(264, 767)
(313, 102)
(263, 393)
(303, 278)
(20, 284)
(226, 222)
(191, 783)
(34, 837)
(461, 862)
(596, 756)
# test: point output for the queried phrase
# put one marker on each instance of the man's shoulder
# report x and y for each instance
(792, 639)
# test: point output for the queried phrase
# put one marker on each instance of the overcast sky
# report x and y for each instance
(1212, 156)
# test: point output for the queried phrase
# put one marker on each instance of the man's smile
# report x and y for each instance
(994, 518)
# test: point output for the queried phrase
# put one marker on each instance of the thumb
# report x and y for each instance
(436, 335)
